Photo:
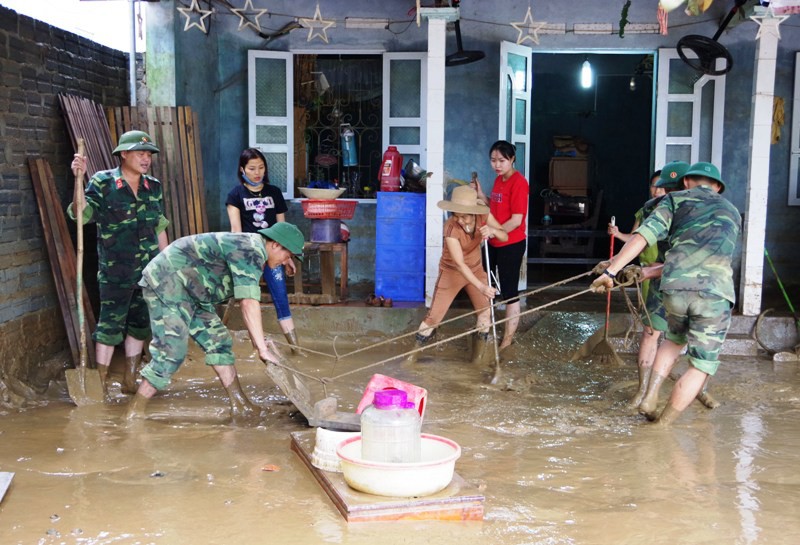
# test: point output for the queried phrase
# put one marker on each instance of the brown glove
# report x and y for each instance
(630, 274)
(600, 267)
(602, 284)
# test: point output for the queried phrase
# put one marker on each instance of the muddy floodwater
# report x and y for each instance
(558, 457)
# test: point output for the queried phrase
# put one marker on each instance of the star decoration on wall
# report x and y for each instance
(528, 28)
(200, 23)
(773, 29)
(249, 10)
(317, 27)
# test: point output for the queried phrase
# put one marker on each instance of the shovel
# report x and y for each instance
(83, 384)
(598, 347)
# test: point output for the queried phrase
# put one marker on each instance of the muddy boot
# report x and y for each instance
(668, 415)
(137, 407)
(420, 340)
(102, 370)
(291, 338)
(644, 382)
(129, 378)
(649, 404)
(241, 407)
(480, 347)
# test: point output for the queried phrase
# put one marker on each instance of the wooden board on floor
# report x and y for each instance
(459, 501)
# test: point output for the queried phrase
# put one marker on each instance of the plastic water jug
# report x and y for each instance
(390, 429)
(391, 167)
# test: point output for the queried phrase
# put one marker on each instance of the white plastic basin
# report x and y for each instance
(316, 193)
(428, 476)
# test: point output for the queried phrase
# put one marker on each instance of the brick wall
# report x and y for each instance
(37, 62)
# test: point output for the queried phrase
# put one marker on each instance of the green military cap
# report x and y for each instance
(706, 170)
(287, 235)
(135, 141)
(672, 175)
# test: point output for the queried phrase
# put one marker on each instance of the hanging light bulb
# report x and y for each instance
(632, 83)
(586, 74)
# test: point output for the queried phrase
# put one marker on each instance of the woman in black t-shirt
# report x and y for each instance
(253, 205)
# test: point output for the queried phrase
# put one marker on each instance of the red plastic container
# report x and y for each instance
(390, 169)
(326, 209)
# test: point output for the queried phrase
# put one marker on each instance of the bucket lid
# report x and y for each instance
(392, 399)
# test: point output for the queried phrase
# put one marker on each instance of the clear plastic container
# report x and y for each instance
(390, 429)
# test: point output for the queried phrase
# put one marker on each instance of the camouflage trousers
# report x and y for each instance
(700, 320)
(174, 317)
(655, 315)
(122, 312)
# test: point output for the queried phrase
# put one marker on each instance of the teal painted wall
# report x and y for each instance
(210, 76)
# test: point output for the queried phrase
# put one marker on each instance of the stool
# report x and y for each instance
(326, 252)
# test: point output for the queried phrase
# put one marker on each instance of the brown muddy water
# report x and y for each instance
(553, 449)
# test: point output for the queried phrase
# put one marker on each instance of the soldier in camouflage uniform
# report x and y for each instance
(655, 316)
(697, 282)
(183, 284)
(127, 206)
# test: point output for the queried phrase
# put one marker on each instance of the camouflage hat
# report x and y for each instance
(287, 235)
(706, 170)
(135, 141)
(672, 175)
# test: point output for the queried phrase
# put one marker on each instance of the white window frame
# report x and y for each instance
(664, 97)
(418, 122)
(288, 120)
(794, 165)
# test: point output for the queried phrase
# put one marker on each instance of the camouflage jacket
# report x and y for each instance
(210, 267)
(701, 228)
(127, 225)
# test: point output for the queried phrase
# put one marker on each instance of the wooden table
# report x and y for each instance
(326, 252)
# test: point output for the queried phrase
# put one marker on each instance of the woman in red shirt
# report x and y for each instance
(509, 204)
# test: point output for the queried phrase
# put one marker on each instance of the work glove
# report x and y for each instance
(602, 284)
(630, 274)
(600, 267)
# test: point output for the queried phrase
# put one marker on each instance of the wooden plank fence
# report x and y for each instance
(63, 261)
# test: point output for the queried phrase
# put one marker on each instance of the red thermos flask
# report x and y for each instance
(390, 169)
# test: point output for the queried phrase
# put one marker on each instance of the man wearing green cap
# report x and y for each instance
(702, 229)
(182, 286)
(654, 319)
(127, 206)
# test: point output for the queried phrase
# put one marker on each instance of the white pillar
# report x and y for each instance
(434, 137)
(752, 272)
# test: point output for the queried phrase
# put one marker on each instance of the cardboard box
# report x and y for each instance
(570, 175)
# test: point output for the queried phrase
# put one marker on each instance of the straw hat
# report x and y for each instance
(464, 200)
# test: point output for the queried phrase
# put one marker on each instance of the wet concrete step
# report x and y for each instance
(777, 333)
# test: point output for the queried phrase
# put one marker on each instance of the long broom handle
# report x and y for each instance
(491, 303)
(608, 297)
(78, 203)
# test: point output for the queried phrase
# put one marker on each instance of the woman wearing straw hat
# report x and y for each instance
(460, 267)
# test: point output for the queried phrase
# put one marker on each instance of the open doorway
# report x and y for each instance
(591, 151)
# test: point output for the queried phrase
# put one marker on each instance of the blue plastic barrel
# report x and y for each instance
(400, 246)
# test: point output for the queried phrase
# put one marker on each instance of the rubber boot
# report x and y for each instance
(241, 407)
(668, 415)
(644, 382)
(137, 407)
(649, 404)
(419, 341)
(291, 338)
(102, 370)
(480, 347)
(129, 378)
